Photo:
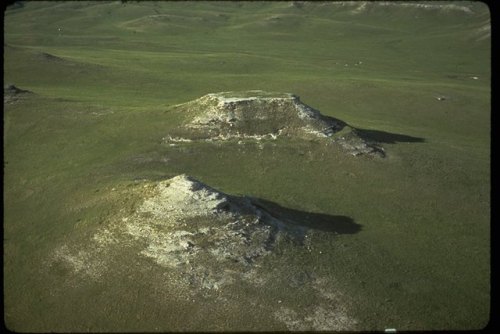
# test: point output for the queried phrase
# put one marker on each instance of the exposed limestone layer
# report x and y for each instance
(187, 219)
(206, 244)
(259, 115)
(182, 222)
(361, 6)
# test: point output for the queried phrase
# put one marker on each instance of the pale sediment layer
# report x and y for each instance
(206, 242)
(259, 116)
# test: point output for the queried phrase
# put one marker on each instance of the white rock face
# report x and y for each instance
(258, 115)
(206, 244)
(185, 213)
(183, 223)
(362, 6)
(183, 196)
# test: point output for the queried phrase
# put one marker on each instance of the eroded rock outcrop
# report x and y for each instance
(187, 225)
(259, 115)
(187, 220)
(203, 244)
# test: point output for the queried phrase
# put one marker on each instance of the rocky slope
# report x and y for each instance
(190, 220)
(259, 115)
(206, 244)
(187, 225)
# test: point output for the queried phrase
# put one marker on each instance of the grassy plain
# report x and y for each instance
(105, 74)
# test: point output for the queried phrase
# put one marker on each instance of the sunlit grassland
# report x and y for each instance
(104, 89)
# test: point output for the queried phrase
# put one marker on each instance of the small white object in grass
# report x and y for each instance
(474, 78)
(390, 330)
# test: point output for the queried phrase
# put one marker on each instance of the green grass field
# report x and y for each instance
(104, 77)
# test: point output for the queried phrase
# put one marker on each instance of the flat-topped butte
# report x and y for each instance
(259, 115)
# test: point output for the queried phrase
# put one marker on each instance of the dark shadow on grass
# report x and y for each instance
(387, 137)
(309, 220)
(376, 136)
(13, 90)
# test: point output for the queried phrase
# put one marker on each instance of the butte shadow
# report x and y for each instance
(387, 137)
(337, 224)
